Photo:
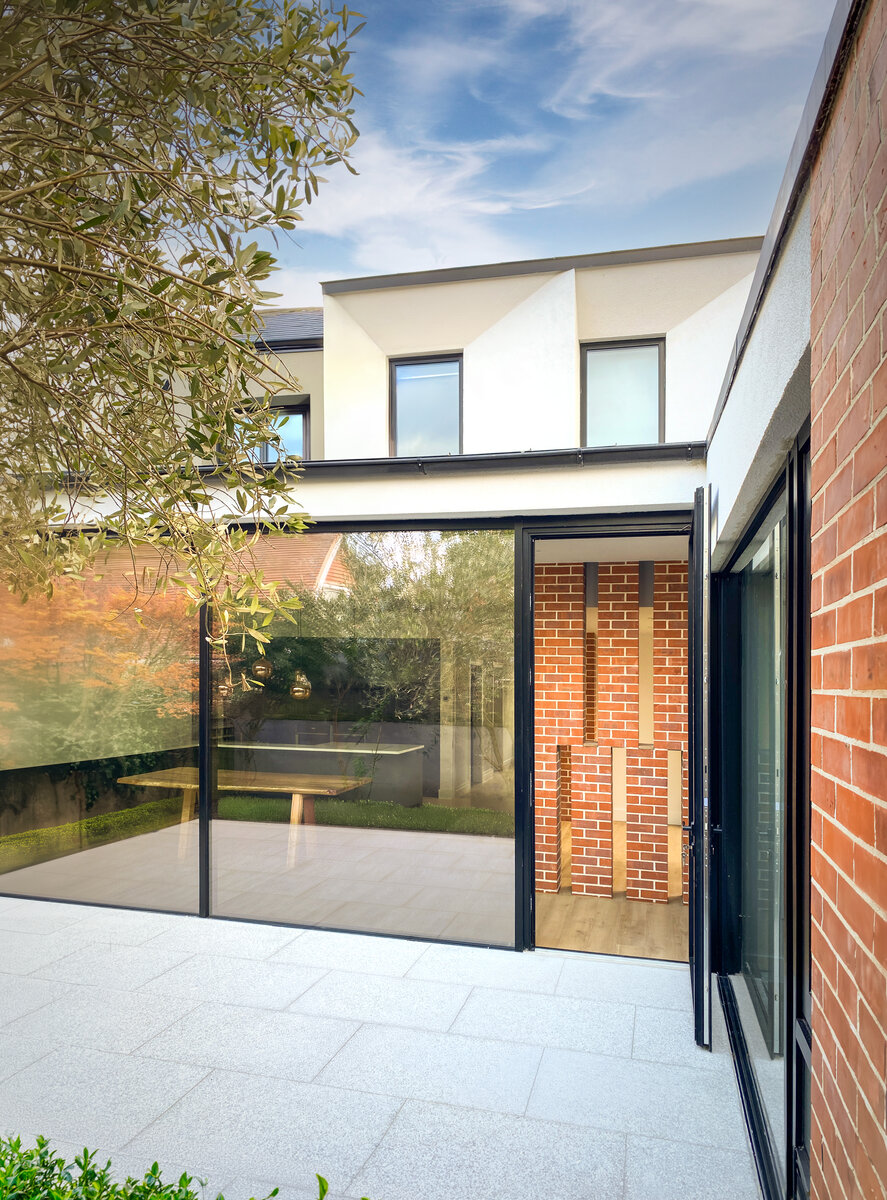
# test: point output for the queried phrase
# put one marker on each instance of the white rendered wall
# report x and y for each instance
(770, 396)
(521, 376)
(696, 352)
(550, 491)
(355, 386)
(650, 299)
(520, 338)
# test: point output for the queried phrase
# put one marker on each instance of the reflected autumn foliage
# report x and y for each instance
(102, 669)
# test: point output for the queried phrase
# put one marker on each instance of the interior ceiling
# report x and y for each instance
(656, 548)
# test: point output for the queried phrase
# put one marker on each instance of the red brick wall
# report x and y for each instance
(559, 630)
(573, 777)
(592, 828)
(646, 824)
(849, 631)
(617, 626)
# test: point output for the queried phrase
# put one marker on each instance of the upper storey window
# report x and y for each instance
(293, 414)
(426, 406)
(623, 393)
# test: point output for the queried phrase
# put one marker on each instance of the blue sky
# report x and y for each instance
(509, 129)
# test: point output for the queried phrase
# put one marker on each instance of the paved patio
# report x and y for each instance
(456, 887)
(254, 1056)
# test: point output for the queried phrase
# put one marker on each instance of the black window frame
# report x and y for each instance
(415, 359)
(291, 404)
(619, 344)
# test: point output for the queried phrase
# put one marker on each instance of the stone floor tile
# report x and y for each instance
(18, 1052)
(92, 1097)
(445, 1153)
(384, 1000)
(121, 927)
(208, 977)
(21, 994)
(287, 1130)
(666, 1036)
(630, 1096)
(237, 939)
(99, 1018)
(121, 968)
(643, 983)
(257, 1041)
(681, 1171)
(596, 1026)
(435, 1066)
(352, 952)
(22, 952)
(43, 916)
(478, 967)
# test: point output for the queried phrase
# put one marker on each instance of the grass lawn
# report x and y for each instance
(368, 814)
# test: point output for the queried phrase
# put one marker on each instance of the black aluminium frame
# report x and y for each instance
(793, 482)
(527, 530)
(618, 344)
(453, 356)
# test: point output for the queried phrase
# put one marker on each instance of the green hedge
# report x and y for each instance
(40, 845)
(41, 1174)
(368, 814)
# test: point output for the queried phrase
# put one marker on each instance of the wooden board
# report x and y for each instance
(288, 783)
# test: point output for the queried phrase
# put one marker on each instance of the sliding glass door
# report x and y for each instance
(754, 721)
(364, 764)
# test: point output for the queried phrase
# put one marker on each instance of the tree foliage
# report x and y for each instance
(142, 142)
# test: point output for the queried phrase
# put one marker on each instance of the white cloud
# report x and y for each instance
(413, 207)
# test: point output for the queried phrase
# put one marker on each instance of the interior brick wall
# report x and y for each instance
(592, 828)
(617, 626)
(849, 630)
(646, 824)
(559, 677)
(573, 775)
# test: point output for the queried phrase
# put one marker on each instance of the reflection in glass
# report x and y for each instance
(426, 398)
(621, 395)
(759, 987)
(98, 761)
(380, 796)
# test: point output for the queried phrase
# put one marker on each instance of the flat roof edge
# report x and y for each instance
(544, 266)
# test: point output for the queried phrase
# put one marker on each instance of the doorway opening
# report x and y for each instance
(611, 745)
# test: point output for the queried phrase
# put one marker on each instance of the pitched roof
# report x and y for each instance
(292, 328)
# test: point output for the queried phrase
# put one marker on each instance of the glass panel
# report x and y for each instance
(622, 396)
(759, 987)
(292, 433)
(427, 408)
(98, 760)
(291, 427)
(365, 781)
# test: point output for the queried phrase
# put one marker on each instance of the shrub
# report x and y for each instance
(41, 1174)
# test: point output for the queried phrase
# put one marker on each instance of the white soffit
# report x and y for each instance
(656, 548)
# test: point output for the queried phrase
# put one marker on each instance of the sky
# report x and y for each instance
(497, 130)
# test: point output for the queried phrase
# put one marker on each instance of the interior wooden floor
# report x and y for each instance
(616, 925)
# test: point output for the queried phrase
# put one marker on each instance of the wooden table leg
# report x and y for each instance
(308, 811)
(189, 796)
(296, 809)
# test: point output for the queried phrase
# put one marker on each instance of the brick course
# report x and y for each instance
(849, 606)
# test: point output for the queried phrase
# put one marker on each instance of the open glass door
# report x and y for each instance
(698, 828)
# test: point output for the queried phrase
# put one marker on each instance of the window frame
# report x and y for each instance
(619, 344)
(410, 359)
(295, 403)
